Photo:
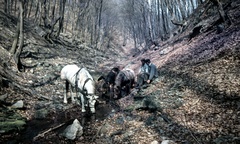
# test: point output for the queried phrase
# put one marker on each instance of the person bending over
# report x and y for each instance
(153, 73)
(143, 74)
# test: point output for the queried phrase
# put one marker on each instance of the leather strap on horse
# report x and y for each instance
(83, 91)
(76, 77)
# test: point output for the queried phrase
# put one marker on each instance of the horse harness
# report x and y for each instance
(83, 91)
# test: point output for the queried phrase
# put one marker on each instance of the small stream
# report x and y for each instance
(54, 124)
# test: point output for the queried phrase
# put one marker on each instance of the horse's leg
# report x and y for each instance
(71, 91)
(91, 102)
(111, 92)
(65, 92)
(82, 102)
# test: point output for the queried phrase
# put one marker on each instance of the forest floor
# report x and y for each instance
(198, 88)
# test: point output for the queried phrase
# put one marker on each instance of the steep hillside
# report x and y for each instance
(198, 89)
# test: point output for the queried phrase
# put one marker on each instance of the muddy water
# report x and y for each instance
(52, 127)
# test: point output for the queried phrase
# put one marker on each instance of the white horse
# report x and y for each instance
(82, 81)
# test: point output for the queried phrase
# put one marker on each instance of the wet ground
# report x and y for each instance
(49, 129)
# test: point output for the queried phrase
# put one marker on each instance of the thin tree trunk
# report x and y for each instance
(164, 23)
(99, 23)
(61, 13)
(53, 10)
(11, 6)
(15, 42)
(15, 6)
(220, 8)
(19, 50)
(159, 19)
(44, 15)
(30, 9)
(6, 6)
(36, 12)
(25, 8)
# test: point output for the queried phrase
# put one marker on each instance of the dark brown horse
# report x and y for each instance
(106, 84)
(125, 80)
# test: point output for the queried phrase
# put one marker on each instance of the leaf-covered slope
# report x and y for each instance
(204, 75)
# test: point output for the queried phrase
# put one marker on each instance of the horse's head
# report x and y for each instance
(105, 88)
(102, 85)
(106, 84)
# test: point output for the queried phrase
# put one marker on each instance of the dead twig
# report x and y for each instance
(47, 131)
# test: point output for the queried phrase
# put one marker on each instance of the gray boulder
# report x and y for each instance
(74, 130)
(18, 104)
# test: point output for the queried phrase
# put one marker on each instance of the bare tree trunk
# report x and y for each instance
(159, 19)
(61, 13)
(20, 47)
(220, 9)
(16, 38)
(53, 10)
(15, 6)
(67, 21)
(36, 12)
(99, 23)
(164, 21)
(25, 8)
(45, 15)
(11, 6)
(6, 6)
(19, 34)
(30, 9)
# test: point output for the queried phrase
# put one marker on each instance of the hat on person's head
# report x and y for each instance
(143, 60)
(148, 61)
